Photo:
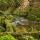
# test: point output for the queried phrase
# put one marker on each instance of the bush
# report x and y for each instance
(26, 38)
(7, 37)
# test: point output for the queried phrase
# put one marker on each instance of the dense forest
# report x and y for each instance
(19, 19)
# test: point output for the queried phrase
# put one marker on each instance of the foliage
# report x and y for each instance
(27, 37)
(7, 37)
(9, 11)
(34, 14)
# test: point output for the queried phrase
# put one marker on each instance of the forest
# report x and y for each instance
(19, 19)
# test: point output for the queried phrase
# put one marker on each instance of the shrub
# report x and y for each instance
(7, 37)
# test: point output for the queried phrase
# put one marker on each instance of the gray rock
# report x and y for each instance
(21, 21)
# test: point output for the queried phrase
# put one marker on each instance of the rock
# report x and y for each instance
(21, 21)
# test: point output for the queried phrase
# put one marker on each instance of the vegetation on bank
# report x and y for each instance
(13, 13)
